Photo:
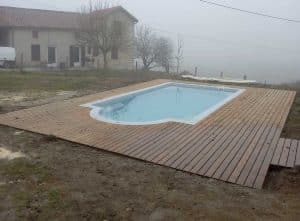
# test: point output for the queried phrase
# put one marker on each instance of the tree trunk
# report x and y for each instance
(105, 62)
(167, 68)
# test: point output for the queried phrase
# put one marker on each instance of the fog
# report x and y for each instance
(217, 39)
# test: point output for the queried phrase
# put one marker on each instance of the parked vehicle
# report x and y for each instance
(7, 57)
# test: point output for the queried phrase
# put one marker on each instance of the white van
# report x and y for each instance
(7, 57)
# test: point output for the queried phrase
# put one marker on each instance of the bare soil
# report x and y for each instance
(43, 178)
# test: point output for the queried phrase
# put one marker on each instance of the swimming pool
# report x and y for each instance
(176, 102)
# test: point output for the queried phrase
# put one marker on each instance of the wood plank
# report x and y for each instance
(187, 149)
(179, 144)
(297, 163)
(244, 167)
(229, 161)
(191, 159)
(278, 151)
(271, 139)
(224, 148)
(267, 161)
(153, 142)
(292, 154)
(285, 152)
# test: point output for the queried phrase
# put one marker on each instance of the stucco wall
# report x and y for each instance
(22, 40)
(126, 50)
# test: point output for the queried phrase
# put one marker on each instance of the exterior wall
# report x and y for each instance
(126, 51)
(23, 39)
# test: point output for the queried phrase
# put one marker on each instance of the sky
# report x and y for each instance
(217, 39)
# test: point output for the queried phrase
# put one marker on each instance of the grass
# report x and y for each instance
(22, 169)
(69, 80)
(32, 189)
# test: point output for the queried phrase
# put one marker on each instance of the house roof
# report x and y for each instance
(38, 18)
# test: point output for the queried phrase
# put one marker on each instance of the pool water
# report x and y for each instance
(185, 103)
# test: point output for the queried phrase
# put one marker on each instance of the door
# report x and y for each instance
(51, 55)
(74, 55)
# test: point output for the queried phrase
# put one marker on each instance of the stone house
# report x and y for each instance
(44, 38)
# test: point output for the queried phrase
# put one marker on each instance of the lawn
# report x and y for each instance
(60, 180)
(71, 80)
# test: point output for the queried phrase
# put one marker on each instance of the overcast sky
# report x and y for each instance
(218, 39)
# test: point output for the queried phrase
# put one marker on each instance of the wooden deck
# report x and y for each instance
(287, 153)
(236, 144)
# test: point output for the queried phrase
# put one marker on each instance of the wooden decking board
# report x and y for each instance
(161, 144)
(226, 162)
(167, 153)
(264, 149)
(236, 143)
(185, 135)
(121, 138)
(260, 178)
(281, 157)
(242, 169)
(261, 153)
(180, 142)
(292, 154)
(141, 139)
(225, 148)
(196, 146)
(285, 152)
(278, 151)
(229, 163)
(297, 161)
(200, 159)
(126, 134)
(153, 143)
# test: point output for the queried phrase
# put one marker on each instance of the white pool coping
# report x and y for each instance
(94, 113)
(221, 80)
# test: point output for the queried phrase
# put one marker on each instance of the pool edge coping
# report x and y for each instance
(197, 119)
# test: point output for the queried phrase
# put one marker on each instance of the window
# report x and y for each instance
(114, 53)
(51, 55)
(95, 51)
(35, 34)
(35, 53)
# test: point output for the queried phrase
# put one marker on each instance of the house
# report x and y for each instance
(44, 38)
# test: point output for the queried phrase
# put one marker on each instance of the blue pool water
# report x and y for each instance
(178, 102)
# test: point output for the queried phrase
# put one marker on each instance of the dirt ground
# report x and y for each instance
(43, 178)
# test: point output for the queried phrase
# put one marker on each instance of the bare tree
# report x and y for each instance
(164, 53)
(145, 46)
(98, 30)
(179, 55)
